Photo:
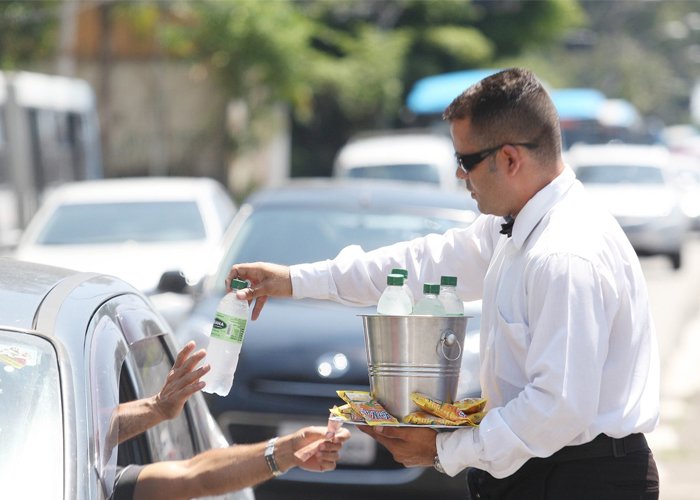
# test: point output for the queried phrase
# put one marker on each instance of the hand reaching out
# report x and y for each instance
(182, 381)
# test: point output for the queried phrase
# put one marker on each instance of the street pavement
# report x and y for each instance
(676, 442)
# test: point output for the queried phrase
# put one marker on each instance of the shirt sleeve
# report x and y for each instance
(125, 482)
(570, 307)
(356, 277)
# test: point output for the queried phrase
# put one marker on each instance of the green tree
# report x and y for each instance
(27, 32)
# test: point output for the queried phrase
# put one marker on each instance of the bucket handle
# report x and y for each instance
(449, 338)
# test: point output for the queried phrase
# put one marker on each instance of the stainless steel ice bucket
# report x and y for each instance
(408, 354)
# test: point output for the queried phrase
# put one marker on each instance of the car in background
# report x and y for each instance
(299, 352)
(136, 229)
(410, 155)
(73, 346)
(639, 185)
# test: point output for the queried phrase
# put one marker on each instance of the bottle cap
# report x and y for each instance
(394, 279)
(448, 280)
(432, 288)
(402, 272)
(237, 284)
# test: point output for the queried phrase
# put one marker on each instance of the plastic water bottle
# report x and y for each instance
(404, 273)
(226, 340)
(429, 304)
(449, 298)
(394, 300)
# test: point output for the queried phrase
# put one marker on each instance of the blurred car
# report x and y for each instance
(73, 346)
(639, 185)
(135, 229)
(299, 352)
(408, 155)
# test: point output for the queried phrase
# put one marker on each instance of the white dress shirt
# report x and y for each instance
(568, 347)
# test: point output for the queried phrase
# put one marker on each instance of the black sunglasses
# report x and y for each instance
(469, 161)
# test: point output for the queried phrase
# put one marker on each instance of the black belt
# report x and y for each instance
(602, 446)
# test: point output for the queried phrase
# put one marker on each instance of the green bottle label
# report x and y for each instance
(229, 328)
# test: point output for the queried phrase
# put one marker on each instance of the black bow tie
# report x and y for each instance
(507, 228)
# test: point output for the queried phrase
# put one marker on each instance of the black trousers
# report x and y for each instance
(601, 470)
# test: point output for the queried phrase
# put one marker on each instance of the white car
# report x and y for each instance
(406, 155)
(639, 185)
(135, 229)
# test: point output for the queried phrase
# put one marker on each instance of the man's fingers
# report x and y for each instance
(257, 308)
(184, 352)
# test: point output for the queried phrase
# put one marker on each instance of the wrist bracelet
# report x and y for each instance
(270, 458)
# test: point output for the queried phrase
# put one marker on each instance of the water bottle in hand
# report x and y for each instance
(226, 340)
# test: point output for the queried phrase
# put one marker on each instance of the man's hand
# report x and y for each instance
(412, 447)
(266, 280)
(182, 381)
(328, 452)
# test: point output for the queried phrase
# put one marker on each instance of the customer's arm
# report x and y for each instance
(135, 417)
(222, 470)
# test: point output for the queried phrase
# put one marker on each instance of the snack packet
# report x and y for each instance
(371, 411)
(476, 418)
(425, 418)
(346, 413)
(438, 408)
(310, 449)
(471, 405)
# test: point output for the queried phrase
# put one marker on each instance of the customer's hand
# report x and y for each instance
(182, 381)
(328, 452)
(266, 280)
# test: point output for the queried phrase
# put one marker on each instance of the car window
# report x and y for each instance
(95, 223)
(31, 422)
(619, 174)
(408, 172)
(296, 235)
(171, 439)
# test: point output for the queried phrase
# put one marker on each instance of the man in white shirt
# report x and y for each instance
(569, 360)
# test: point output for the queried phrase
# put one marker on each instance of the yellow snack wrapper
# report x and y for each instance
(346, 413)
(476, 418)
(425, 418)
(471, 405)
(438, 408)
(371, 411)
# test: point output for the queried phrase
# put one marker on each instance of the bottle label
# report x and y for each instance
(228, 328)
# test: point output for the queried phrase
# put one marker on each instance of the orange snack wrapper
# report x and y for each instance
(346, 413)
(471, 405)
(444, 410)
(371, 411)
(425, 418)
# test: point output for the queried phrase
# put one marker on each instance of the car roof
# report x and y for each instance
(618, 154)
(361, 194)
(405, 147)
(23, 287)
(134, 188)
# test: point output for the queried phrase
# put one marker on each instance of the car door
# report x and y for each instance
(142, 356)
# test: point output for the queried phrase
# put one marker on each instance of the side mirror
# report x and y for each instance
(173, 281)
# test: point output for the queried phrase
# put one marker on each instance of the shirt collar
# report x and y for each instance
(540, 204)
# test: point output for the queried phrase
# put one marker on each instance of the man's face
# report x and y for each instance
(484, 180)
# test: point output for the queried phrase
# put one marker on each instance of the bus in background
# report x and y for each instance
(49, 134)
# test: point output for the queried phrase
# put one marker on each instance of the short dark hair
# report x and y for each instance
(510, 106)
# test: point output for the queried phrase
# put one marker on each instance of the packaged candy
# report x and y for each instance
(471, 405)
(363, 404)
(476, 418)
(425, 418)
(438, 408)
(346, 413)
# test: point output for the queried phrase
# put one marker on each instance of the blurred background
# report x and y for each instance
(251, 94)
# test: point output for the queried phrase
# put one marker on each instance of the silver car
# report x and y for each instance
(72, 347)
(639, 185)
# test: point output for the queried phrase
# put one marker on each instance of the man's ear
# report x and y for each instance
(514, 159)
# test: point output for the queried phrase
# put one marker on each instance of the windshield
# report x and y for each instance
(619, 174)
(94, 223)
(31, 424)
(296, 235)
(409, 172)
